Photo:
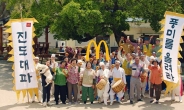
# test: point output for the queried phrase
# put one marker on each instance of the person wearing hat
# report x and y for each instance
(147, 46)
(124, 59)
(117, 73)
(157, 47)
(135, 82)
(37, 64)
(155, 80)
(53, 65)
(103, 73)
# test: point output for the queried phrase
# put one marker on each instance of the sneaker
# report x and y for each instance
(49, 104)
(45, 104)
(139, 100)
(56, 103)
(131, 102)
(157, 102)
(33, 101)
(151, 101)
(180, 101)
(111, 103)
(63, 102)
(142, 96)
(105, 103)
(84, 102)
(91, 102)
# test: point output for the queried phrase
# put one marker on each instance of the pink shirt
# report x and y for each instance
(73, 75)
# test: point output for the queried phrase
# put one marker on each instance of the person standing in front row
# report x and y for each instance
(46, 90)
(117, 73)
(103, 73)
(37, 64)
(60, 83)
(72, 81)
(135, 82)
(88, 83)
(155, 80)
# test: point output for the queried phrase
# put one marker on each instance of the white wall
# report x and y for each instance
(136, 30)
(51, 39)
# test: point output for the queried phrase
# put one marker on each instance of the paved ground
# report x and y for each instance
(8, 99)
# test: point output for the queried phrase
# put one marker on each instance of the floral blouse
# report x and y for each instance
(73, 75)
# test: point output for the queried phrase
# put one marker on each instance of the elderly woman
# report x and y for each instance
(73, 80)
(103, 73)
(60, 83)
(155, 80)
(88, 83)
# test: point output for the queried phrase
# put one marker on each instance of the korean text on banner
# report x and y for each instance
(25, 75)
(171, 41)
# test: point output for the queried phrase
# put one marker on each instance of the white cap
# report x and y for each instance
(36, 58)
(79, 61)
(152, 58)
(102, 64)
(117, 61)
(53, 55)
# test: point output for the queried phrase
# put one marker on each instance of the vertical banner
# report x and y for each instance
(25, 74)
(171, 41)
(21, 34)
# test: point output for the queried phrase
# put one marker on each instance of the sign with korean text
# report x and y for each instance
(171, 42)
(25, 74)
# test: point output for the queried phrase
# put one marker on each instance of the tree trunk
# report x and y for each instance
(46, 34)
(118, 36)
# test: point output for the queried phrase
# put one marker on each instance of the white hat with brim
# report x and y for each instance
(53, 56)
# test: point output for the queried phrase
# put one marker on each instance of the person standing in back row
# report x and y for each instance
(135, 82)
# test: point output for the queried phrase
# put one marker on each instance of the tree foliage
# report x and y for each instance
(83, 20)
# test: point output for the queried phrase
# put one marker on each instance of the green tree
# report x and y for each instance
(83, 20)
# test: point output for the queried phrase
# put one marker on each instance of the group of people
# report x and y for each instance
(129, 69)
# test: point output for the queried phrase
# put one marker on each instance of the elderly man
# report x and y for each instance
(117, 73)
(135, 82)
(36, 60)
(103, 73)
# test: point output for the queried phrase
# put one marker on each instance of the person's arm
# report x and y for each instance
(133, 44)
(150, 67)
(119, 57)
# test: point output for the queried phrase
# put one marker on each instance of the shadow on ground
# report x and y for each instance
(6, 79)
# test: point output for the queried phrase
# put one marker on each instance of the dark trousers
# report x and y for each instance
(128, 77)
(46, 93)
(72, 88)
(157, 88)
(67, 91)
(60, 90)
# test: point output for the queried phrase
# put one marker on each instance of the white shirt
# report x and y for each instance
(145, 64)
(52, 64)
(104, 72)
(118, 73)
